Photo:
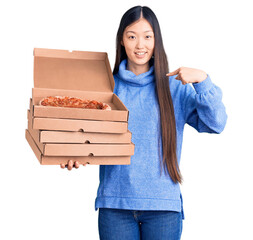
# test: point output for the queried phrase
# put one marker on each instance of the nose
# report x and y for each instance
(140, 43)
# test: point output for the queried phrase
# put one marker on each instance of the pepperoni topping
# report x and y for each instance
(73, 102)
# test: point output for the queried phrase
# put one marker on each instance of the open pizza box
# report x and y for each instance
(81, 74)
(93, 160)
(59, 124)
(92, 136)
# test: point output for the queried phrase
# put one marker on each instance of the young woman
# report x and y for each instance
(143, 200)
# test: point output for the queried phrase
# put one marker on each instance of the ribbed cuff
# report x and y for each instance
(203, 86)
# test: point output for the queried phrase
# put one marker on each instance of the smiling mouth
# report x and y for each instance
(140, 53)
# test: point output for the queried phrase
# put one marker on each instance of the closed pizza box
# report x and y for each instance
(83, 149)
(45, 136)
(80, 74)
(83, 137)
(79, 125)
(93, 160)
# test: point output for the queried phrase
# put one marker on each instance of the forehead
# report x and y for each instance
(142, 25)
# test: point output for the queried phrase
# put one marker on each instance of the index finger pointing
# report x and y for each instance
(173, 73)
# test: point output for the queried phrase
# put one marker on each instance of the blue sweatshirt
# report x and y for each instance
(142, 185)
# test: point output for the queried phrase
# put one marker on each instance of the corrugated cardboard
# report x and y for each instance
(75, 74)
(59, 124)
(83, 137)
(57, 134)
(79, 125)
(56, 160)
(86, 149)
(77, 137)
(82, 149)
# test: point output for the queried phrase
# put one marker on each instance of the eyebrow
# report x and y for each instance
(144, 31)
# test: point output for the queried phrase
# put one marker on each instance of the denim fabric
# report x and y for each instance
(115, 224)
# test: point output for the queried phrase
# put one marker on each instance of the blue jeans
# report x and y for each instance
(115, 224)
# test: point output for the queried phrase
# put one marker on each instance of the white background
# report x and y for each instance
(46, 202)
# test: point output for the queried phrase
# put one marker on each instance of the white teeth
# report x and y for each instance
(140, 53)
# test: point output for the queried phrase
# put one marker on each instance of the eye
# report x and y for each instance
(148, 36)
(131, 37)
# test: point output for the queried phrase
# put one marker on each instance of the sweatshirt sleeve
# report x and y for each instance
(203, 107)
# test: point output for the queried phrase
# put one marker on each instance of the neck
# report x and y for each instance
(137, 69)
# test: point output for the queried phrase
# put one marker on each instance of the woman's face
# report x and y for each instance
(139, 42)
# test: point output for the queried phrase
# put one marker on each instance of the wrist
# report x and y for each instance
(203, 86)
(202, 77)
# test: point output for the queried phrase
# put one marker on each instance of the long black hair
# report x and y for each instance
(161, 67)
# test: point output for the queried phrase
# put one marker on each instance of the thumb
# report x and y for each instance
(173, 73)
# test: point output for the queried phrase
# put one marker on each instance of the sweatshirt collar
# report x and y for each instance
(130, 78)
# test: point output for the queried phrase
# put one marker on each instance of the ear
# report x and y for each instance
(121, 42)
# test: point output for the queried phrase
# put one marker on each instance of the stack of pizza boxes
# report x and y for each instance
(92, 136)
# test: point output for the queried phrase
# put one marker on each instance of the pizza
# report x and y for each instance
(73, 102)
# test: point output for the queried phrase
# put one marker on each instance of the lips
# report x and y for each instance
(140, 53)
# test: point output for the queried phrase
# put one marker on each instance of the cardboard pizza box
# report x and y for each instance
(79, 125)
(93, 160)
(77, 137)
(83, 149)
(81, 74)
(59, 124)
(83, 137)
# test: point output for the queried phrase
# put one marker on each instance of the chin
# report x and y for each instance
(141, 61)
